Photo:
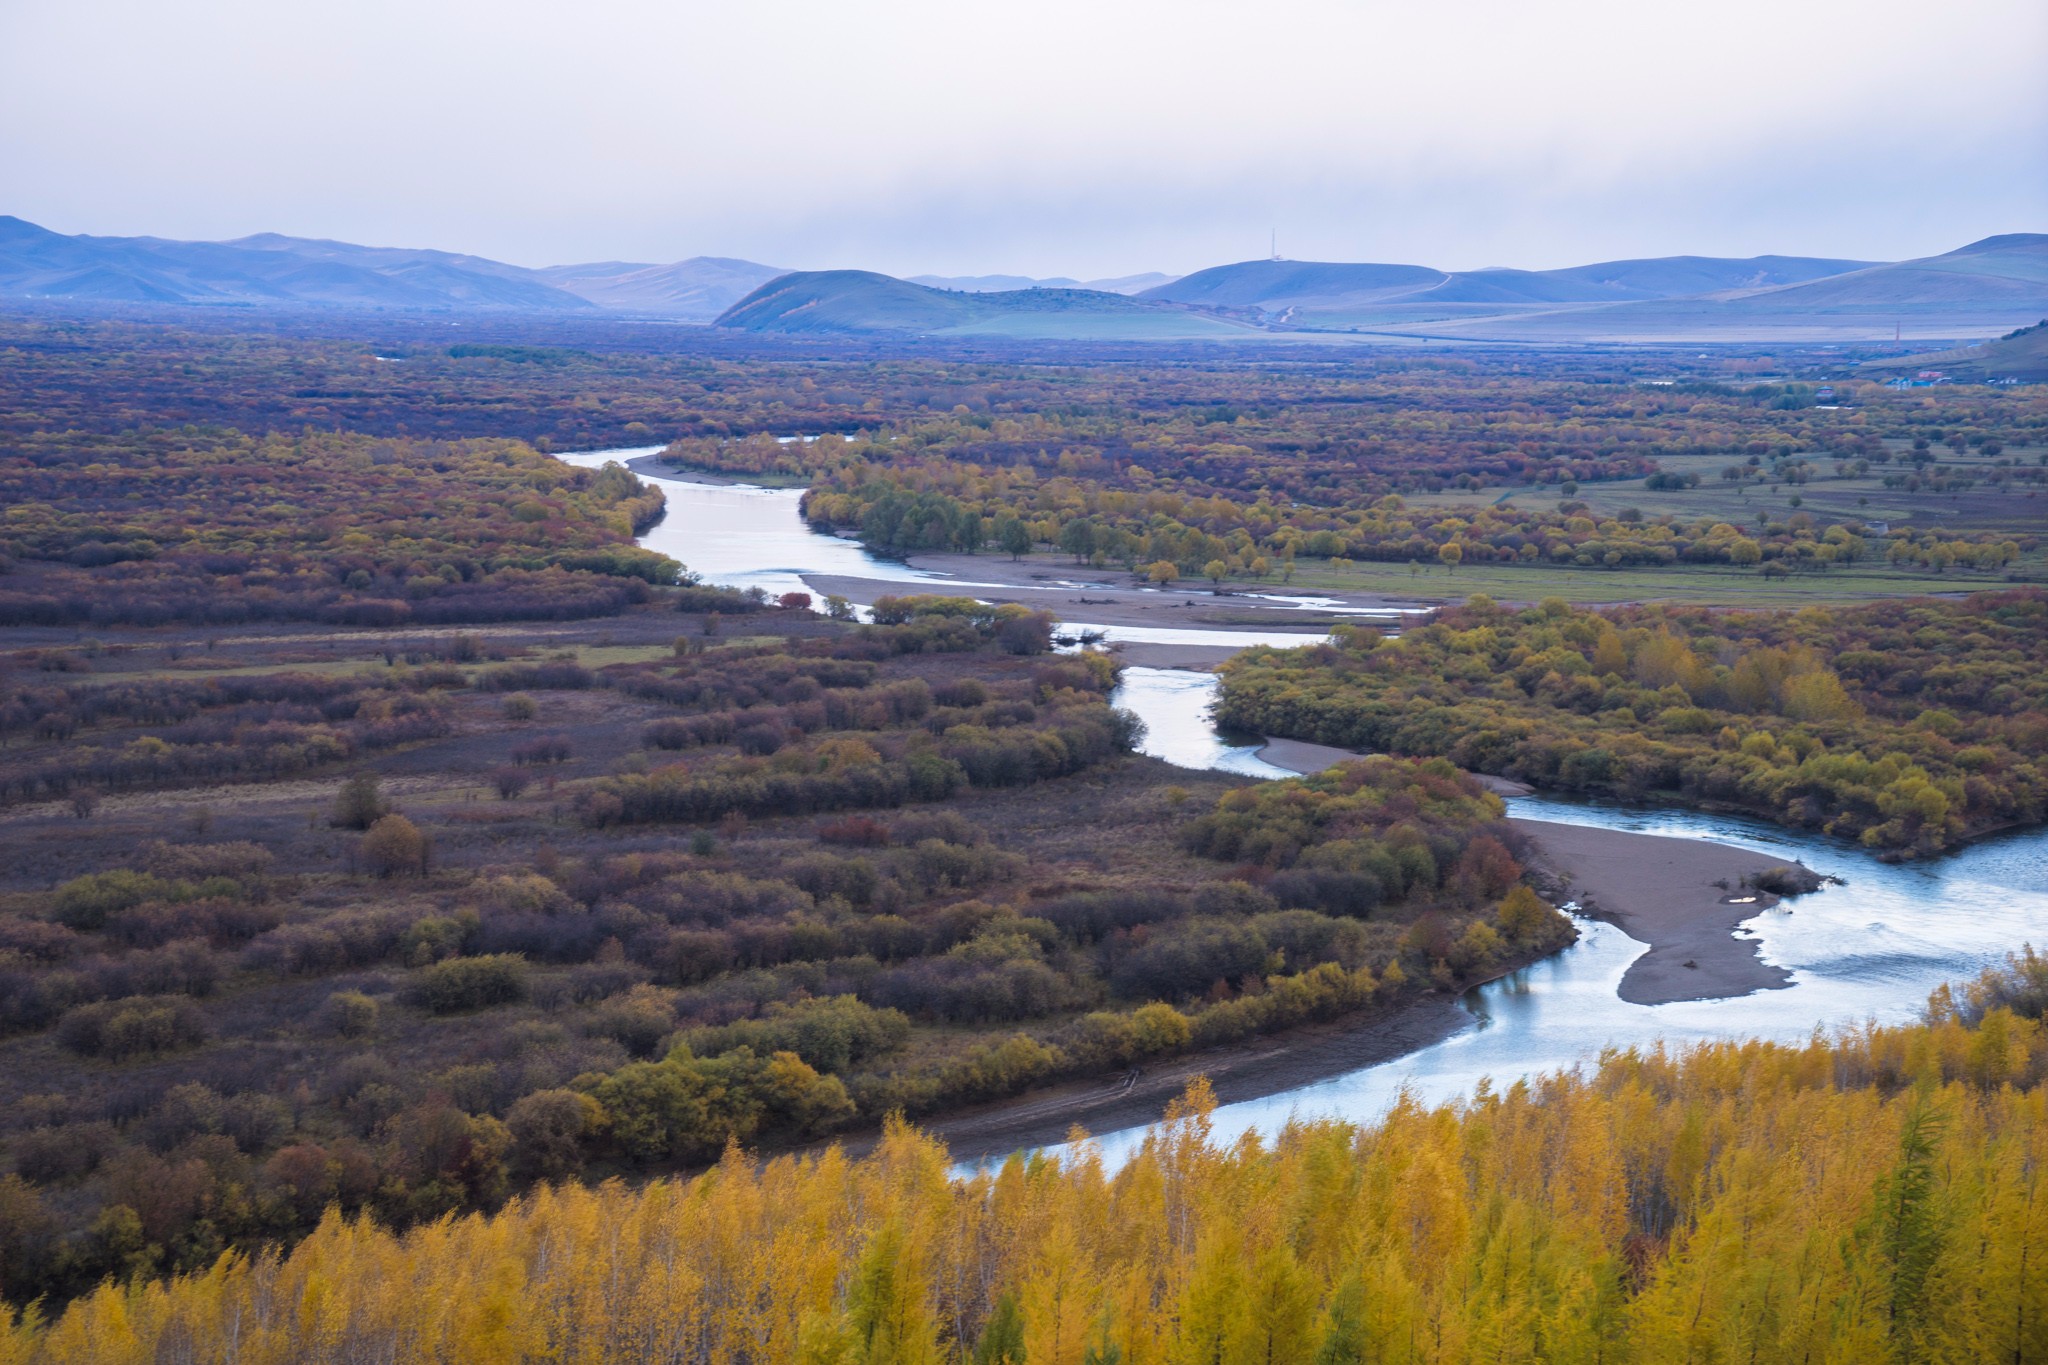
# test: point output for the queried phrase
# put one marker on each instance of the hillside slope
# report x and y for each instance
(268, 269)
(2021, 355)
(696, 290)
(1275, 285)
(1976, 291)
(1995, 272)
(989, 284)
(1317, 288)
(851, 302)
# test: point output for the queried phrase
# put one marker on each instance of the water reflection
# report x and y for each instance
(1871, 949)
(1174, 704)
(746, 537)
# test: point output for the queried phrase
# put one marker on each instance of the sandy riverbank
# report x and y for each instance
(1677, 895)
(651, 467)
(1657, 890)
(1300, 756)
(1114, 599)
(1680, 896)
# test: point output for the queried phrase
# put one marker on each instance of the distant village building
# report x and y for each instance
(1824, 391)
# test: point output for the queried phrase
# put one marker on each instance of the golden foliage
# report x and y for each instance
(1873, 1197)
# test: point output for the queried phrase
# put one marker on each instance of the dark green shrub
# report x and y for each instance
(139, 1026)
(469, 983)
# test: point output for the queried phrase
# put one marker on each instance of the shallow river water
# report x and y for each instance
(1871, 949)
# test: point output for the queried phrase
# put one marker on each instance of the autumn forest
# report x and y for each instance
(437, 927)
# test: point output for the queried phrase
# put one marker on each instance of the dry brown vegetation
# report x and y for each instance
(405, 922)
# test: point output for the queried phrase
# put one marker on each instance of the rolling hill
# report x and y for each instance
(1979, 290)
(2021, 355)
(1313, 287)
(1995, 272)
(1975, 292)
(1274, 286)
(696, 290)
(274, 270)
(267, 270)
(989, 284)
(851, 302)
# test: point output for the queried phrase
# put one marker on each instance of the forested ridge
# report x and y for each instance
(1871, 1196)
(1907, 724)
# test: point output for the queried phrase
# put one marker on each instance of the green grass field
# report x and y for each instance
(1693, 584)
(2023, 508)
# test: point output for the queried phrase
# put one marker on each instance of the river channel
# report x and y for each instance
(1870, 949)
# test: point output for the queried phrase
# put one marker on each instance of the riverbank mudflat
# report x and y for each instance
(1683, 897)
(651, 467)
(1249, 1070)
(1085, 597)
(1186, 658)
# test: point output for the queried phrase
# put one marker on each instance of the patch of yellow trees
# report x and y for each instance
(1877, 1196)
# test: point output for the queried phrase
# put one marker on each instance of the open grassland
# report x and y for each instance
(1694, 585)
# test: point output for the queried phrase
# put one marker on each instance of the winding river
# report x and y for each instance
(1871, 949)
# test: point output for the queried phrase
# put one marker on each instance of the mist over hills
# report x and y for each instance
(1978, 291)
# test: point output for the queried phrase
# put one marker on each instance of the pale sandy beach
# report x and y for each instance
(1677, 895)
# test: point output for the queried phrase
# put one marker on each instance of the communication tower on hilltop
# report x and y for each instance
(1276, 245)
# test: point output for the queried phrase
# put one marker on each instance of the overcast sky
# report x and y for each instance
(1048, 137)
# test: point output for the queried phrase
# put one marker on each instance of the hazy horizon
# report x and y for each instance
(1055, 140)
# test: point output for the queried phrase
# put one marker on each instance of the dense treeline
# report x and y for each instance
(1338, 436)
(208, 525)
(1308, 412)
(407, 1013)
(177, 732)
(1908, 724)
(1870, 1197)
(1127, 518)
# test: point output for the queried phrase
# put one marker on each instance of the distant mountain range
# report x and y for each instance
(1978, 291)
(852, 302)
(1275, 286)
(269, 270)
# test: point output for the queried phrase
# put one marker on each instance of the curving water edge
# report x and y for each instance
(1869, 950)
